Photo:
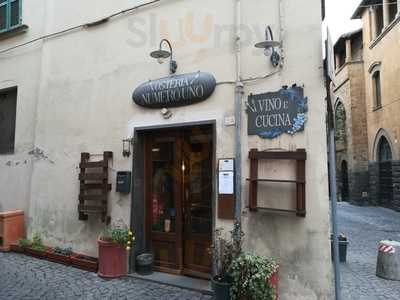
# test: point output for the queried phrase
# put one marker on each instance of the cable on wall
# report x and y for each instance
(81, 26)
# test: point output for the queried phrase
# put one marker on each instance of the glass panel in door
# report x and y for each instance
(164, 200)
(197, 204)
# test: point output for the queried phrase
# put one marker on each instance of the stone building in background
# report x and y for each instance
(366, 88)
(351, 134)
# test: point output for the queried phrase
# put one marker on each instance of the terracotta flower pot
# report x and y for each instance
(58, 258)
(112, 260)
(274, 282)
(84, 262)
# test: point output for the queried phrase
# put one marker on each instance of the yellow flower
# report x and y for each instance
(133, 238)
(129, 242)
(128, 248)
(130, 232)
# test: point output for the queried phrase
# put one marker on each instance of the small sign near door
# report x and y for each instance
(226, 183)
(226, 188)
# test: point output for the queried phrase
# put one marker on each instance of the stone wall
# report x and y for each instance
(384, 190)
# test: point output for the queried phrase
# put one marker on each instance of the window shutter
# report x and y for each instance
(15, 13)
(3, 15)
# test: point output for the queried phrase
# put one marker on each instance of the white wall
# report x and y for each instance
(21, 68)
(86, 81)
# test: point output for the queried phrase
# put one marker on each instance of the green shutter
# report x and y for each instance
(3, 16)
(10, 14)
(15, 16)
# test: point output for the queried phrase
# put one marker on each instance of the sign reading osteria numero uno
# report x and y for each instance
(175, 90)
(275, 113)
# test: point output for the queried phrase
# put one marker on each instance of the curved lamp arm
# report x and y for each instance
(172, 64)
(169, 45)
(268, 30)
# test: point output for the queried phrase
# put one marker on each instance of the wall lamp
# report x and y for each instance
(161, 55)
(269, 47)
(126, 147)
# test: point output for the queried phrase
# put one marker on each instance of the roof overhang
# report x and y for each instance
(361, 7)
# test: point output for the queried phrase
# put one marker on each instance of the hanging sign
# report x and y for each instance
(272, 114)
(175, 90)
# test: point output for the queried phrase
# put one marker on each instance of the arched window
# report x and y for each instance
(376, 79)
(384, 150)
(340, 126)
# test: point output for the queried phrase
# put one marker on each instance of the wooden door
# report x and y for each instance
(197, 204)
(178, 183)
(163, 175)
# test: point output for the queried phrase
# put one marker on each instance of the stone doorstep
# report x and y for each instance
(184, 282)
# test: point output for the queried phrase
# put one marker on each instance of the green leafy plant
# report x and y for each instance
(24, 243)
(250, 276)
(226, 251)
(37, 242)
(118, 234)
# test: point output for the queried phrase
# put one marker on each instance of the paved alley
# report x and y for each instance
(23, 277)
(365, 227)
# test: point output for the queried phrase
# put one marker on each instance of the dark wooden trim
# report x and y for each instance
(86, 187)
(95, 186)
(93, 176)
(300, 156)
(253, 189)
(90, 197)
(93, 164)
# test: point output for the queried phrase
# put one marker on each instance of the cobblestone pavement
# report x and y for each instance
(365, 227)
(23, 277)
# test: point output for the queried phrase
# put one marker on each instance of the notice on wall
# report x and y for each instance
(272, 114)
(226, 183)
(226, 164)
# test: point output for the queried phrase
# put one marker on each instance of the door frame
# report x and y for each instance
(138, 202)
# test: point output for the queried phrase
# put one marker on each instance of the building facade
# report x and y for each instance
(351, 122)
(371, 104)
(68, 70)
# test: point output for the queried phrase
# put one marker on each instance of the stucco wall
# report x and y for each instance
(88, 76)
(22, 68)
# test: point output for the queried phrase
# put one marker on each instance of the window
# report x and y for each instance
(8, 109)
(376, 78)
(392, 11)
(10, 14)
(384, 151)
(340, 126)
(379, 19)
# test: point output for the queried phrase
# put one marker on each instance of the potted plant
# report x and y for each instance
(225, 251)
(114, 244)
(254, 277)
(84, 262)
(36, 248)
(60, 255)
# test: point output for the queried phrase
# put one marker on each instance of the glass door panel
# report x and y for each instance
(164, 199)
(197, 185)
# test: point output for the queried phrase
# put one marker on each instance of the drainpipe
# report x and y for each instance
(238, 117)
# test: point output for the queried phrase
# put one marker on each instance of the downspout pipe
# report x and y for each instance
(332, 181)
(239, 91)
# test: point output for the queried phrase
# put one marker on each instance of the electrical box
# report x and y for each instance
(124, 182)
